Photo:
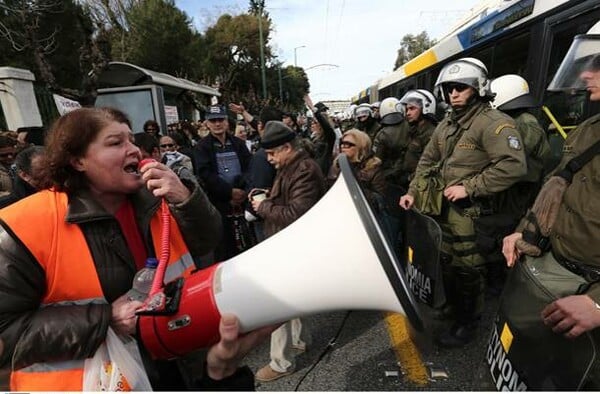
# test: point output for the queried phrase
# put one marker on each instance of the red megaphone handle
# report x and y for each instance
(165, 250)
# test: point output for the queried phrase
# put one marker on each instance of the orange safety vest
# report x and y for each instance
(59, 246)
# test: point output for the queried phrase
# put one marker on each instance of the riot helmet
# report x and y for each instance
(467, 71)
(350, 111)
(389, 112)
(421, 98)
(511, 92)
(363, 110)
(583, 55)
(375, 108)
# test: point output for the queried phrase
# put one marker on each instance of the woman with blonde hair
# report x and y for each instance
(356, 145)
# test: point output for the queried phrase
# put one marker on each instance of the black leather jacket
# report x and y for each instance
(31, 334)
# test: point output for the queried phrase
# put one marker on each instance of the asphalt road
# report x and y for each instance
(365, 357)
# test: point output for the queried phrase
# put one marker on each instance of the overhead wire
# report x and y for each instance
(326, 28)
(339, 26)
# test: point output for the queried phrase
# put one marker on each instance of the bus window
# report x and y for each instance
(510, 56)
(485, 55)
(568, 109)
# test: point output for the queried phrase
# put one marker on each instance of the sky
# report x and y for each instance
(343, 45)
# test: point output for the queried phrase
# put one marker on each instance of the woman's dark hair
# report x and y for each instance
(269, 113)
(180, 139)
(153, 123)
(68, 139)
(187, 126)
(6, 142)
(145, 141)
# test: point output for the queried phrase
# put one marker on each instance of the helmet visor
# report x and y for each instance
(412, 97)
(362, 111)
(583, 55)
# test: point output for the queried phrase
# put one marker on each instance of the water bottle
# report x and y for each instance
(142, 281)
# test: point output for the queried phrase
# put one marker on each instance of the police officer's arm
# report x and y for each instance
(509, 248)
(540, 146)
(432, 155)
(379, 145)
(504, 147)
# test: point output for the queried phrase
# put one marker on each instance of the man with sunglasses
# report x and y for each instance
(475, 153)
(222, 161)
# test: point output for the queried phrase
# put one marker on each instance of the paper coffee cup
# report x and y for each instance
(259, 196)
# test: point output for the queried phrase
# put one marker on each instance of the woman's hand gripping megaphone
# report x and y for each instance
(163, 182)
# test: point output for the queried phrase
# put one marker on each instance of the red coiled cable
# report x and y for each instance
(165, 250)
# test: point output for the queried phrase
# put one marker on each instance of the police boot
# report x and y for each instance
(469, 289)
(446, 311)
(496, 277)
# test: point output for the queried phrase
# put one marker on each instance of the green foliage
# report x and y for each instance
(61, 41)
(257, 6)
(233, 53)
(233, 61)
(412, 46)
(294, 86)
(161, 38)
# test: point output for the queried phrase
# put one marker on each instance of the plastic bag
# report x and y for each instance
(116, 366)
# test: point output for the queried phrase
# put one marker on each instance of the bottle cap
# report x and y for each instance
(151, 262)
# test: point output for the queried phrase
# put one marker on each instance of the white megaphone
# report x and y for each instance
(334, 257)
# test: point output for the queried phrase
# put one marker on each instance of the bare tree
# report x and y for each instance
(25, 34)
(112, 16)
(27, 27)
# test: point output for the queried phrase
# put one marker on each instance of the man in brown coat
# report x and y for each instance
(298, 185)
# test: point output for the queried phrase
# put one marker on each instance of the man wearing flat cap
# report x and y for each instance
(298, 185)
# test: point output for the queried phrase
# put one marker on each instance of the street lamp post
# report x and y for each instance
(295, 57)
(262, 52)
(322, 65)
(280, 83)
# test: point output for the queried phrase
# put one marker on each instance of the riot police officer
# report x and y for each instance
(513, 98)
(572, 309)
(365, 121)
(375, 108)
(419, 109)
(390, 146)
(392, 139)
(474, 153)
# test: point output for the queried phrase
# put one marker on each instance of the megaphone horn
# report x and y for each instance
(334, 257)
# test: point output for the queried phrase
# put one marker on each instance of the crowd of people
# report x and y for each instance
(235, 179)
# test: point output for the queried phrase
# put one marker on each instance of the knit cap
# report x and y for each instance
(276, 134)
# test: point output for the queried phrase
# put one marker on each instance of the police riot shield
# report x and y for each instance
(420, 257)
(523, 353)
